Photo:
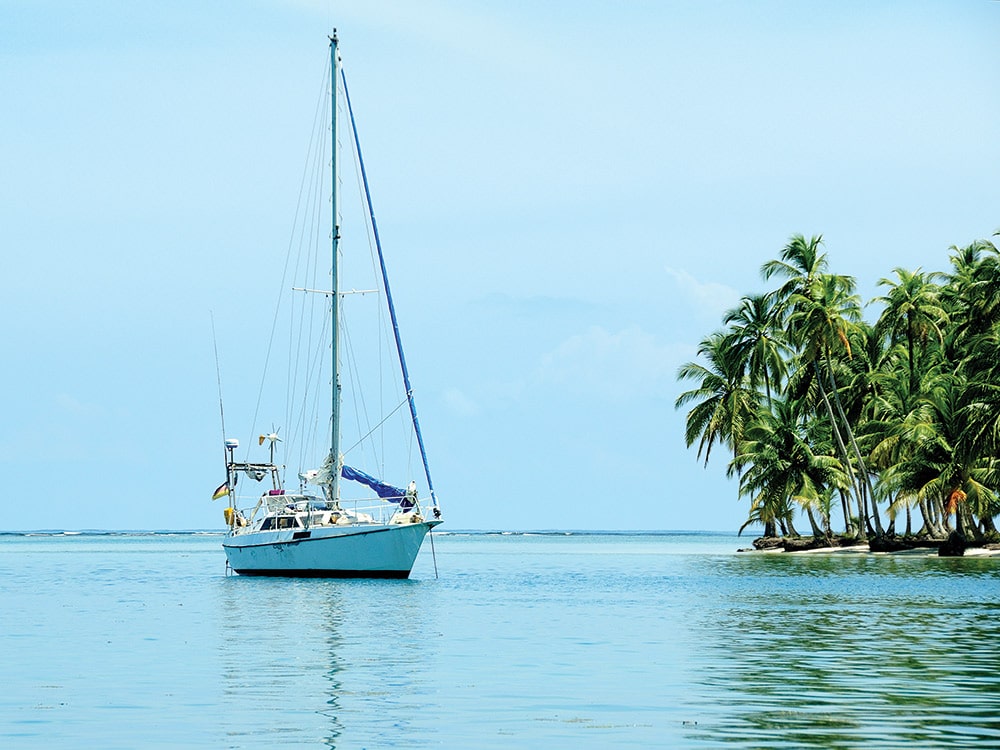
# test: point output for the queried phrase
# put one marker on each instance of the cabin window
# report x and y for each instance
(280, 522)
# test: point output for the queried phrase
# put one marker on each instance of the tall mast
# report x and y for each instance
(335, 296)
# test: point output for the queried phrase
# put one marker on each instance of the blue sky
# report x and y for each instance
(569, 193)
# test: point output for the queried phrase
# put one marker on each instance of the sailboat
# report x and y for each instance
(315, 530)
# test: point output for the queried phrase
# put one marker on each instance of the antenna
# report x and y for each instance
(218, 377)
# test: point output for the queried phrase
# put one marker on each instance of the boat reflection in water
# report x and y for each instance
(281, 665)
(308, 662)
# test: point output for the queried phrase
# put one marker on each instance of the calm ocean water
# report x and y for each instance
(526, 641)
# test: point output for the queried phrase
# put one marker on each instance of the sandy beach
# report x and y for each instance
(863, 548)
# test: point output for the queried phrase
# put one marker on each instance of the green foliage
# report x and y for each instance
(814, 403)
(778, 466)
(724, 398)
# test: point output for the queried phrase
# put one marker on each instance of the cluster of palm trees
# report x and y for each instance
(821, 411)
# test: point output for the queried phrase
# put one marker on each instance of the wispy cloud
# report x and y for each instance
(710, 298)
(627, 364)
(68, 404)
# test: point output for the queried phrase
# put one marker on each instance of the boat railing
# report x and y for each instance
(360, 510)
(380, 511)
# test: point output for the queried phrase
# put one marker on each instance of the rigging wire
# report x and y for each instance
(303, 398)
(392, 314)
(327, 76)
(305, 367)
(372, 430)
(379, 452)
(355, 380)
(307, 264)
(383, 337)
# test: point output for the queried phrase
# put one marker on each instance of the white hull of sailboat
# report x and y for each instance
(356, 551)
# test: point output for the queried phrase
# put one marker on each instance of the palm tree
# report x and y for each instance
(970, 295)
(892, 432)
(859, 378)
(913, 313)
(981, 410)
(778, 467)
(971, 345)
(822, 317)
(940, 465)
(725, 401)
(759, 340)
(817, 306)
(800, 263)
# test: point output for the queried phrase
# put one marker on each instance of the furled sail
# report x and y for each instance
(322, 476)
(383, 490)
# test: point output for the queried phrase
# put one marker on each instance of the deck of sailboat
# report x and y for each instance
(320, 532)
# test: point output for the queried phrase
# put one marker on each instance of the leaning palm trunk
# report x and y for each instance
(862, 469)
(790, 527)
(944, 518)
(960, 525)
(817, 531)
(864, 528)
(843, 452)
(965, 522)
(926, 516)
(932, 513)
(848, 523)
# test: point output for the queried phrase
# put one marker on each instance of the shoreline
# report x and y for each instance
(777, 546)
(915, 551)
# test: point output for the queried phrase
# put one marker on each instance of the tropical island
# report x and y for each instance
(894, 426)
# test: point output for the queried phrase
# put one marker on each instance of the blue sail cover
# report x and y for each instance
(383, 490)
